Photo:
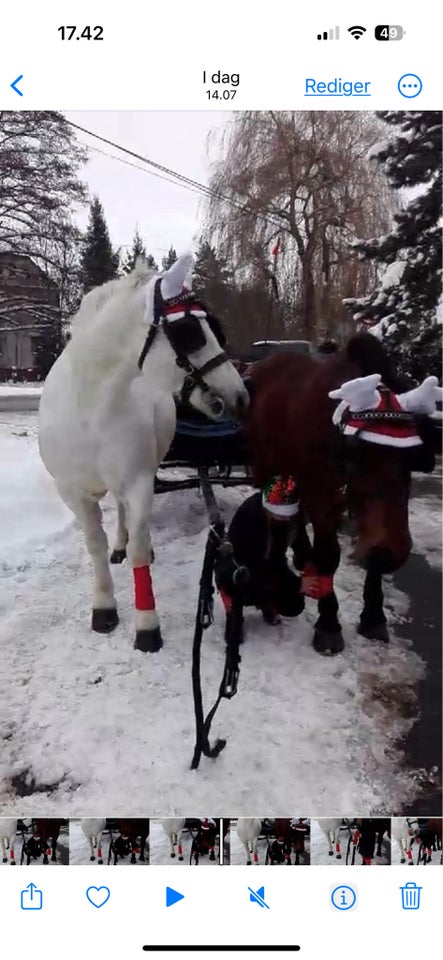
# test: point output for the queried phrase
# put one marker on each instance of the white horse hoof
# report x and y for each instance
(103, 621)
(117, 556)
(149, 641)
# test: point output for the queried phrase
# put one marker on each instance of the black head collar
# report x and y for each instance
(185, 336)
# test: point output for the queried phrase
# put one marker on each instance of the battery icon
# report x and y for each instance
(386, 32)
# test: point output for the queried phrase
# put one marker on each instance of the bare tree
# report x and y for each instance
(305, 178)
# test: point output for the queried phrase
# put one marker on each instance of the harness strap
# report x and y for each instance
(195, 374)
(204, 617)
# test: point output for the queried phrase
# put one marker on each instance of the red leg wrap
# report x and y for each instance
(316, 585)
(337, 847)
(226, 601)
(144, 596)
(255, 857)
(99, 853)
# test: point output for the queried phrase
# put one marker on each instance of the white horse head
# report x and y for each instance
(179, 327)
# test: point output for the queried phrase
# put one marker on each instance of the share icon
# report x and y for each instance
(258, 896)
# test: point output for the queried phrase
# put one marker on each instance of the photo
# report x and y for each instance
(351, 842)
(190, 841)
(273, 842)
(220, 462)
(34, 842)
(111, 841)
(417, 841)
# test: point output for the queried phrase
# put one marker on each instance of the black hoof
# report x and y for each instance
(375, 631)
(338, 856)
(271, 617)
(327, 643)
(117, 556)
(330, 854)
(180, 857)
(172, 854)
(92, 859)
(103, 621)
(5, 859)
(149, 641)
(99, 861)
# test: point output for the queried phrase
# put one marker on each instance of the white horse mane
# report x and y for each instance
(96, 299)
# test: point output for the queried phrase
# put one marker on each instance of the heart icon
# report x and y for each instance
(98, 895)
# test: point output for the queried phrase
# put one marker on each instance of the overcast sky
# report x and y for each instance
(166, 213)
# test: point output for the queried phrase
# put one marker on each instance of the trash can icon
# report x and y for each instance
(410, 896)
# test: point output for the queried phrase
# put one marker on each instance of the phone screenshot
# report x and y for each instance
(220, 480)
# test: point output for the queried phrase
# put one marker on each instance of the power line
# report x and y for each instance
(184, 181)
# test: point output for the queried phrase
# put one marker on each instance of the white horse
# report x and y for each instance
(173, 830)
(8, 830)
(107, 416)
(248, 831)
(331, 830)
(404, 832)
(93, 830)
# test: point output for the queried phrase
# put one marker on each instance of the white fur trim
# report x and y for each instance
(280, 509)
(382, 438)
(359, 394)
(197, 314)
(173, 281)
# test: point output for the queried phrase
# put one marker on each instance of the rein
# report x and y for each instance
(204, 617)
(194, 375)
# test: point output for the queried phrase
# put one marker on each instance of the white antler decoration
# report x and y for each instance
(359, 394)
(422, 399)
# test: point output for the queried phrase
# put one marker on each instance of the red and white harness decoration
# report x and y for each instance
(374, 413)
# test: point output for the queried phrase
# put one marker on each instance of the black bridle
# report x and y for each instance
(194, 375)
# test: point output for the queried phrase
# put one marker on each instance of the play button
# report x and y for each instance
(173, 896)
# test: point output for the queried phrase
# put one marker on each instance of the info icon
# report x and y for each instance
(343, 897)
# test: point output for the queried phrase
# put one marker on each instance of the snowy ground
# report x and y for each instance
(238, 852)
(62, 850)
(319, 848)
(88, 723)
(79, 852)
(160, 849)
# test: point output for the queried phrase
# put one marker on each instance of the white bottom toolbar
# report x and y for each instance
(99, 911)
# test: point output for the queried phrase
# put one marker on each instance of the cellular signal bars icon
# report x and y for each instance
(332, 34)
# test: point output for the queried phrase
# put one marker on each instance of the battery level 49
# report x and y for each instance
(385, 32)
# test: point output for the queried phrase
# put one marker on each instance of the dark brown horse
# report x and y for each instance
(46, 833)
(291, 432)
(289, 840)
(131, 832)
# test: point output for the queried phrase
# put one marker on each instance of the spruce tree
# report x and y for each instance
(405, 304)
(137, 250)
(211, 280)
(169, 259)
(99, 262)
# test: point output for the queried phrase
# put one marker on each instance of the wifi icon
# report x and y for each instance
(356, 32)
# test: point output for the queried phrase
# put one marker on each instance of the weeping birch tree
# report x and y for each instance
(299, 183)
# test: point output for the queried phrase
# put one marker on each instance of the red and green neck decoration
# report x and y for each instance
(374, 413)
(280, 497)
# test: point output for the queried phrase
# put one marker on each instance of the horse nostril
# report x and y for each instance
(217, 406)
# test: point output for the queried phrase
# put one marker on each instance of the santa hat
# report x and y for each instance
(375, 413)
(280, 497)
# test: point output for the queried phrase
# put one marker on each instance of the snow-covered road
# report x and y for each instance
(88, 723)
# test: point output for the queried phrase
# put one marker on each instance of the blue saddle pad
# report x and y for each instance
(222, 428)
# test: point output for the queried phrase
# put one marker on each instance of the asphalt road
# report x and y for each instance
(423, 585)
